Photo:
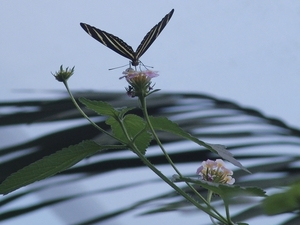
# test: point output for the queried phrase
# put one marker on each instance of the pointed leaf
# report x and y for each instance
(49, 166)
(287, 201)
(103, 108)
(135, 128)
(225, 190)
(162, 123)
(222, 151)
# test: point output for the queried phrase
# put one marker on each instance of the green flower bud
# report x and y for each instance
(63, 75)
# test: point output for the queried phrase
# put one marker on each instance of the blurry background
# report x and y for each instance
(242, 51)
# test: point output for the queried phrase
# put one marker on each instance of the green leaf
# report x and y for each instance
(162, 123)
(135, 129)
(226, 191)
(103, 108)
(287, 201)
(49, 165)
(120, 123)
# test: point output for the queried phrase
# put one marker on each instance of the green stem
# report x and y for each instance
(227, 212)
(217, 215)
(145, 112)
(175, 187)
(209, 195)
(84, 115)
(164, 178)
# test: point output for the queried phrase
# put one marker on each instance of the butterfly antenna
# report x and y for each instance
(117, 67)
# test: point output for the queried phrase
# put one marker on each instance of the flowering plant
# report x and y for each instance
(135, 133)
(215, 171)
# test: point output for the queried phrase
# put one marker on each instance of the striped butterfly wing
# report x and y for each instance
(109, 40)
(152, 35)
(119, 46)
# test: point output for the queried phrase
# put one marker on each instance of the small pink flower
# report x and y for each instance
(139, 82)
(215, 171)
(151, 74)
(130, 74)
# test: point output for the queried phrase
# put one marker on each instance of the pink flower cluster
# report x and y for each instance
(215, 171)
(139, 82)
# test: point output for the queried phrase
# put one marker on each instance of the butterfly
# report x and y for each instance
(119, 46)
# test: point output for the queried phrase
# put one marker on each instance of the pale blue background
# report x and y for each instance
(244, 51)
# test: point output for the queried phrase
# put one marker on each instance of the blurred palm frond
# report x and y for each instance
(266, 146)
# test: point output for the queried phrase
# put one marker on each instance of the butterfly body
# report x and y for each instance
(121, 47)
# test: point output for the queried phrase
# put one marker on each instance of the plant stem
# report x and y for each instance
(84, 115)
(209, 195)
(217, 215)
(227, 211)
(176, 188)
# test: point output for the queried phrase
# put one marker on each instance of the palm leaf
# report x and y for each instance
(266, 146)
